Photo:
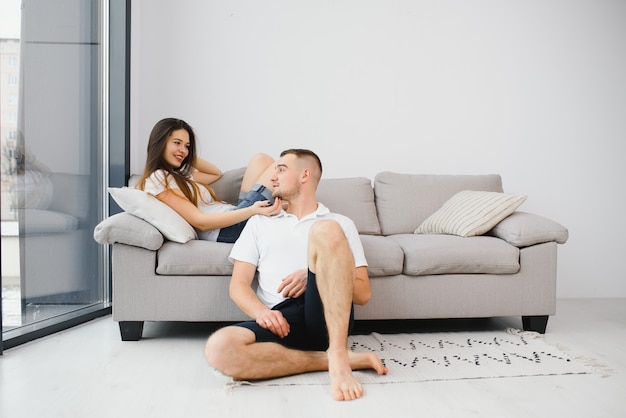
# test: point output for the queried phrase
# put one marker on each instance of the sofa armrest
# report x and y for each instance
(523, 229)
(127, 229)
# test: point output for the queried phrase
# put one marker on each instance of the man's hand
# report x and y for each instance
(294, 285)
(275, 322)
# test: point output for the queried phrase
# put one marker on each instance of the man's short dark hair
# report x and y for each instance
(304, 153)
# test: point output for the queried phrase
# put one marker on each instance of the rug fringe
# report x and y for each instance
(602, 369)
(521, 332)
(589, 362)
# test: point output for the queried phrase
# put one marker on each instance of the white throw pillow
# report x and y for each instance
(147, 207)
(469, 213)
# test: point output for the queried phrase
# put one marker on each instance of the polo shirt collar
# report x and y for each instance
(319, 212)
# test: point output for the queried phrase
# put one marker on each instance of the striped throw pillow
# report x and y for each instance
(469, 213)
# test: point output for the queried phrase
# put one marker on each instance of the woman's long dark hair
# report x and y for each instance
(155, 161)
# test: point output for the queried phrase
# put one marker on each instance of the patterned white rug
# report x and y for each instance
(452, 356)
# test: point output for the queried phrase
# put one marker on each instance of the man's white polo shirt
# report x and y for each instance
(277, 245)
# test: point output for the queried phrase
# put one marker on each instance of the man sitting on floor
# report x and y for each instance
(301, 317)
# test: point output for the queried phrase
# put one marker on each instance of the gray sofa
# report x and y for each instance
(508, 271)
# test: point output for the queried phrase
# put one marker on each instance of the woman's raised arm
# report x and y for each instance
(207, 173)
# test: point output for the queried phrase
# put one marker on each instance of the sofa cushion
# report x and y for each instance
(125, 228)
(147, 207)
(451, 254)
(469, 213)
(195, 258)
(352, 197)
(403, 201)
(384, 256)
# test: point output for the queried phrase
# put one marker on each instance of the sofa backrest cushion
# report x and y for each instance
(228, 186)
(403, 201)
(352, 197)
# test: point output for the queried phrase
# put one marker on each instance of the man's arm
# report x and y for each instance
(241, 291)
(362, 291)
(244, 296)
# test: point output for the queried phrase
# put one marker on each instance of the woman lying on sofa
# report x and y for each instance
(180, 179)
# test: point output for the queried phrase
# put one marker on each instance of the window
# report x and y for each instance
(55, 165)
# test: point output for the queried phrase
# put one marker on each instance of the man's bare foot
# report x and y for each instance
(361, 361)
(343, 385)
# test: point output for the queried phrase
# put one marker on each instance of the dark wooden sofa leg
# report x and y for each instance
(131, 330)
(535, 323)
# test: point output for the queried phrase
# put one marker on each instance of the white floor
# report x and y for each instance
(88, 372)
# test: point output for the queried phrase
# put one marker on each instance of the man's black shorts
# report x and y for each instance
(305, 316)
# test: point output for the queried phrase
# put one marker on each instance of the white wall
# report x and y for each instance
(532, 90)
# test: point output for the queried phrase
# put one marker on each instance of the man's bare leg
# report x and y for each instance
(233, 351)
(331, 259)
